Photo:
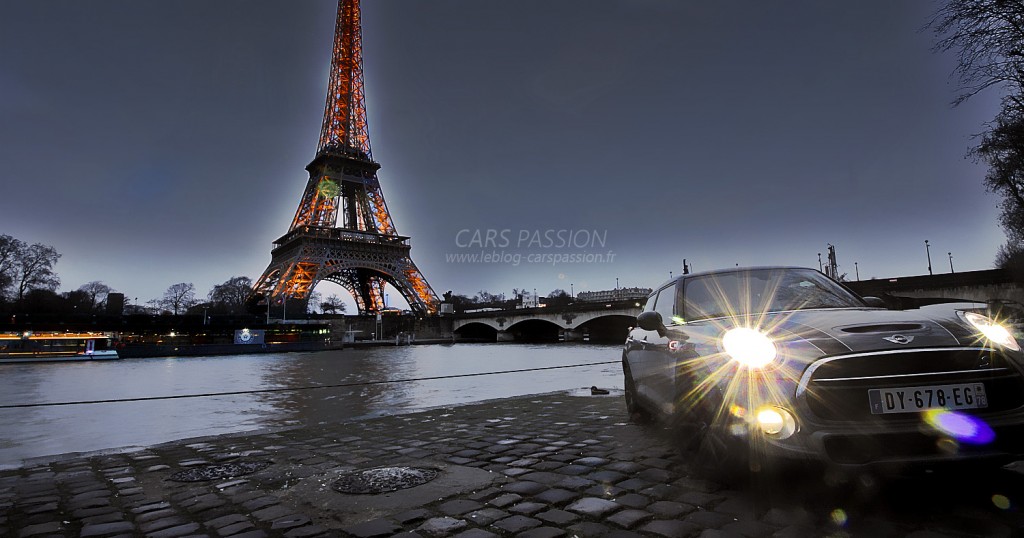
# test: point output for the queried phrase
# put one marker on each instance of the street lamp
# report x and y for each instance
(857, 270)
(951, 262)
(928, 250)
(820, 267)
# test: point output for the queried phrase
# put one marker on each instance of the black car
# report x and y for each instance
(779, 363)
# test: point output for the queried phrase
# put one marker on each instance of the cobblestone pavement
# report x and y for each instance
(532, 467)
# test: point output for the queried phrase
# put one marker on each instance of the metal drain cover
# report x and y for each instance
(383, 480)
(216, 472)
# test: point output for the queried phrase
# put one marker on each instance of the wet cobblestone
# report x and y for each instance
(532, 467)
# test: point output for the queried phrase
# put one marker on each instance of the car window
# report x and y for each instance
(762, 290)
(649, 305)
(665, 304)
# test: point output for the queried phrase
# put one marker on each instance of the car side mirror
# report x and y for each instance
(651, 321)
(874, 301)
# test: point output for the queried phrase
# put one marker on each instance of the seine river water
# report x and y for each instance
(379, 381)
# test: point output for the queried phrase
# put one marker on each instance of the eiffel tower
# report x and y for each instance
(342, 231)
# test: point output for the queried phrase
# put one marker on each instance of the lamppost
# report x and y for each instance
(928, 250)
(951, 262)
(856, 270)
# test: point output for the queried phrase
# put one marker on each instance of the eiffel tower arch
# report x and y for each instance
(342, 231)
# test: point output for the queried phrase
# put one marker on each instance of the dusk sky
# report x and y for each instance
(160, 142)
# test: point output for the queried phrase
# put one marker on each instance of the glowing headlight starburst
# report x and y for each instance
(749, 347)
(992, 330)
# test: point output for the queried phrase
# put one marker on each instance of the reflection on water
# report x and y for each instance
(39, 431)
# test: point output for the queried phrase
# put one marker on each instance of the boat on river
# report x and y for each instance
(32, 346)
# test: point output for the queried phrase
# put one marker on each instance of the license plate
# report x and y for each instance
(914, 399)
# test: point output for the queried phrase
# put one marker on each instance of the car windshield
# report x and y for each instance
(762, 290)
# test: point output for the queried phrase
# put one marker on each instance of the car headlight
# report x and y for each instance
(992, 330)
(749, 347)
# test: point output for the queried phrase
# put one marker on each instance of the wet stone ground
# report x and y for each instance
(532, 467)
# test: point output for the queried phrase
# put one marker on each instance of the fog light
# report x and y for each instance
(770, 421)
(776, 422)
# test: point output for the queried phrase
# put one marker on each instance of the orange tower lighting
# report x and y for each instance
(342, 231)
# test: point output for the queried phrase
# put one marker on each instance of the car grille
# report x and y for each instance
(836, 388)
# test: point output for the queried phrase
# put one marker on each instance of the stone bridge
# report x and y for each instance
(598, 322)
(982, 286)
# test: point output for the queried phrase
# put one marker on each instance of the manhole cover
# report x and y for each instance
(383, 480)
(215, 472)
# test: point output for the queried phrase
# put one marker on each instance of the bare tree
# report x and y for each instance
(96, 291)
(230, 296)
(988, 38)
(333, 304)
(314, 304)
(558, 297)
(1002, 149)
(178, 297)
(486, 297)
(34, 269)
(10, 249)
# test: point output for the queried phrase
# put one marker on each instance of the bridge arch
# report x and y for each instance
(607, 328)
(534, 330)
(599, 322)
(477, 331)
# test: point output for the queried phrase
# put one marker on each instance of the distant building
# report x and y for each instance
(115, 304)
(529, 300)
(619, 294)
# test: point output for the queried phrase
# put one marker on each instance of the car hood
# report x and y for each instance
(846, 330)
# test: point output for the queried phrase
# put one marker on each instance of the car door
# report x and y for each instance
(646, 352)
(660, 364)
(637, 350)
